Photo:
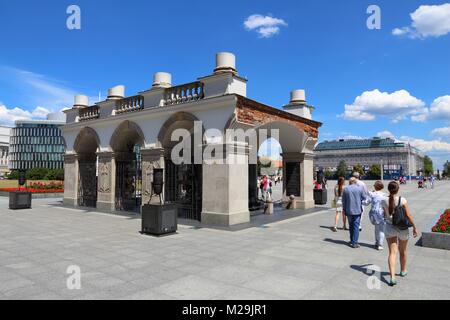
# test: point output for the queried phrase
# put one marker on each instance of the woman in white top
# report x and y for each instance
(338, 191)
(397, 239)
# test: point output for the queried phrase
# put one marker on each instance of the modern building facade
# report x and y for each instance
(37, 144)
(117, 148)
(397, 158)
(5, 133)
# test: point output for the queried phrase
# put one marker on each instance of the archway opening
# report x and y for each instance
(183, 179)
(86, 146)
(126, 143)
(276, 175)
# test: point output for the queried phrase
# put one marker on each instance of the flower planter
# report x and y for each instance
(437, 234)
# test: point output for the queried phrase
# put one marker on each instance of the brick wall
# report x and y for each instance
(254, 113)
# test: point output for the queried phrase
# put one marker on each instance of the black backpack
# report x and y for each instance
(399, 218)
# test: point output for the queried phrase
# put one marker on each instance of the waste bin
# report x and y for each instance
(159, 219)
(320, 196)
(19, 200)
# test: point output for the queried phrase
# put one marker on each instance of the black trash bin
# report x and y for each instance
(19, 200)
(320, 196)
(159, 220)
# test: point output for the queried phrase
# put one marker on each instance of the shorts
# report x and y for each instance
(392, 232)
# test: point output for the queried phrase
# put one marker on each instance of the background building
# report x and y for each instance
(37, 144)
(4, 148)
(397, 158)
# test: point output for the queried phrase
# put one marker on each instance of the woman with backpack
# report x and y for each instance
(398, 219)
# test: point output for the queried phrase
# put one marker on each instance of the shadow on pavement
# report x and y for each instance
(342, 242)
(369, 272)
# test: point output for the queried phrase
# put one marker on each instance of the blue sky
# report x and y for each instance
(402, 77)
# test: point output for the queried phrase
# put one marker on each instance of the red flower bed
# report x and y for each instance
(33, 190)
(443, 224)
(40, 187)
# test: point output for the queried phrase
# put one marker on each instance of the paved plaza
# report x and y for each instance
(297, 258)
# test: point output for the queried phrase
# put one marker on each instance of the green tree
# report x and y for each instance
(329, 174)
(13, 175)
(359, 168)
(342, 169)
(446, 171)
(375, 171)
(428, 165)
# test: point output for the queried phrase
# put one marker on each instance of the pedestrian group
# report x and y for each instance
(389, 213)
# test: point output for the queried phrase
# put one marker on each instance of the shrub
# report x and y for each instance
(37, 173)
(55, 174)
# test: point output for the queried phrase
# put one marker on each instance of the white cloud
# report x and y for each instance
(440, 109)
(442, 132)
(9, 116)
(265, 26)
(427, 21)
(386, 134)
(395, 106)
(40, 112)
(427, 145)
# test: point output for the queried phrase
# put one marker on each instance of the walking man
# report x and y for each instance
(357, 176)
(352, 203)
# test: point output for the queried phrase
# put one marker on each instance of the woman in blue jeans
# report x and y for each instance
(376, 214)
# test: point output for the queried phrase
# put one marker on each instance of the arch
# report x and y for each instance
(87, 141)
(178, 120)
(127, 134)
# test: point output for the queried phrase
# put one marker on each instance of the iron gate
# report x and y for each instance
(87, 184)
(129, 183)
(183, 186)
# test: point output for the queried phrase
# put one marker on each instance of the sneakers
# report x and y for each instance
(345, 228)
(334, 229)
(392, 282)
(355, 245)
(380, 248)
(403, 274)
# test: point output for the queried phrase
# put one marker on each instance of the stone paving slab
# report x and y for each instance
(295, 258)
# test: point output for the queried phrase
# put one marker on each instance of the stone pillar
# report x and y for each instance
(298, 179)
(71, 174)
(106, 189)
(151, 159)
(225, 188)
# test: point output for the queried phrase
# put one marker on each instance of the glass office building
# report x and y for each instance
(397, 158)
(37, 144)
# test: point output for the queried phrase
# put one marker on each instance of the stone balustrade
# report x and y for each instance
(130, 104)
(184, 93)
(89, 113)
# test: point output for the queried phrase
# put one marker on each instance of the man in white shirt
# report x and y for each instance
(357, 176)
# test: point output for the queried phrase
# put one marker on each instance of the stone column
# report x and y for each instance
(298, 179)
(106, 189)
(71, 175)
(225, 188)
(151, 159)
